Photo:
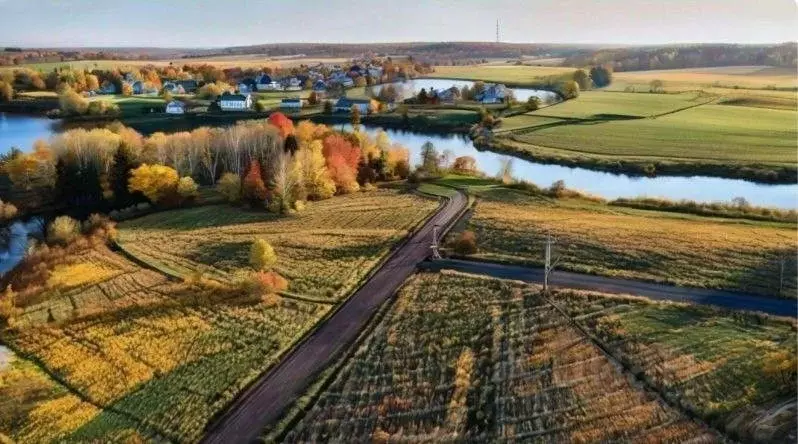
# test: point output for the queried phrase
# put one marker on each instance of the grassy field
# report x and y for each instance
(755, 77)
(609, 240)
(143, 358)
(323, 251)
(500, 73)
(460, 358)
(669, 127)
(723, 367)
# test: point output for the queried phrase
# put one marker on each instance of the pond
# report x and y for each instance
(21, 131)
(411, 88)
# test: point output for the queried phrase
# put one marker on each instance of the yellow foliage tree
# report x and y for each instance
(230, 187)
(156, 182)
(63, 229)
(262, 255)
(71, 102)
(187, 188)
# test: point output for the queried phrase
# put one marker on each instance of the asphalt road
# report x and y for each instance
(266, 399)
(718, 298)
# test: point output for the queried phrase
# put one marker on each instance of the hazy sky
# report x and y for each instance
(204, 23)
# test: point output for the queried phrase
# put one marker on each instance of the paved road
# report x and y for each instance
(263, 403)
(720, 298)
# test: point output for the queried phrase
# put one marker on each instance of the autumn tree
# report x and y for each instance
(63, 229)
(254, 190)
(92, 82)
(315, 176)
(261, 255)
(71, 102)
(229, 186)
(187, 189)
(127, 89)
(465, 164)
(569, 90)
(582, 79)
(355, 116)
(6, 92)
(430, 159)
(156, 182)
(283, 123)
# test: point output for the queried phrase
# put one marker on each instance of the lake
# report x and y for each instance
(22, 131)
(19, 130)
(411, 88)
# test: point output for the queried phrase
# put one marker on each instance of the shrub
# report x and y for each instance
(230, 187)
(158, 183)
(99, 225)
(187, 188)
(7, 211)
(63, 230)
(299, 205)
(269, 282)
(262, 255)
(466, 243)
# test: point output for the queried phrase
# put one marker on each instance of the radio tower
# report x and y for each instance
(497, 30)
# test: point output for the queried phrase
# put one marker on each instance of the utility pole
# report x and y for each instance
(497, 30)
(435, 253)
(781, 276)
(548, 267)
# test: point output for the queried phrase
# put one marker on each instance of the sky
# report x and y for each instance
(219, 23)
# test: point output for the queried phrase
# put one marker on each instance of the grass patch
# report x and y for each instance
(323, 251)
(668, 247)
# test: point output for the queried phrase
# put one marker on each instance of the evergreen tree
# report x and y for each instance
(120, 175)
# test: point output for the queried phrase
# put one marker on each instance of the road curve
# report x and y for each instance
(266, 399)
(719, 298)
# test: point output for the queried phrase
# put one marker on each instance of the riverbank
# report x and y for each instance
(643, 166)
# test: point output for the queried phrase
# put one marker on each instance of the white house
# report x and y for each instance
(263, 82)
(493, 93)
(345, 104)
(175, 107)
(292, 104)
(235, 102)
(292, 84)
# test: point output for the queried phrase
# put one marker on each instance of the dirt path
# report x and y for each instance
(719, 298)
(266, 399)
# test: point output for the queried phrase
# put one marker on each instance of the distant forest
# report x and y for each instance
(622, 58)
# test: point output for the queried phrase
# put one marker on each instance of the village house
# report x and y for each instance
(173, 88)
(493, 93)
(247, 85)
(263, 82)
(235, 102)
(291, 103)
(320, 88)
(345, 104)
(175, 107)
(190, 86)
(292, 84)
(449, 95)
(107, 88)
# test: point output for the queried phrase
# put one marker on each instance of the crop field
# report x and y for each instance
(723, 367)
(35, 409)
(500, 73)
(708, 132)
(757, 77)
(608, 240)
(598, 104)
(146, 357)
(323, 251)
(460, 358)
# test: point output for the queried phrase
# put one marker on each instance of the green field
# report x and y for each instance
(323, 251)
(463, 358)
(598, 104)
(729, 77)
(500, 73)
(597, 238)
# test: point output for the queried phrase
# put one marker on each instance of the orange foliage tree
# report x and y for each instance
(254, 190)
(342, 159)
(282, 122)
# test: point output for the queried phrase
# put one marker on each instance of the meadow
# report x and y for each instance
(509, 74)
(597, 238)
(736, 371)
(460, 358)
(136, 356)
(731, 77)
(323, 251)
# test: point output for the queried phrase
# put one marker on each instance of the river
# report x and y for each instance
(21, 131)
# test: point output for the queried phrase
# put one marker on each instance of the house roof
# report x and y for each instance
(292, 100)
(345, 101)
(176, 103)
(230, 96)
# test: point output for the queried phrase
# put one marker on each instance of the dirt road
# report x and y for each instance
(719, 298)
(267, 398)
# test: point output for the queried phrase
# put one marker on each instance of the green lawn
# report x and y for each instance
(595, 104)
(707, 132)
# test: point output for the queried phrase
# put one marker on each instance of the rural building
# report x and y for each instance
(235, 102)
(295, 103)
(247, 85)
(345, 104)
(493, 93)
(264, 82)
(190, 86)
(107, 88)
(173, 88)
(448, 95)
(175, 107)
(292, 84)
(320, 88)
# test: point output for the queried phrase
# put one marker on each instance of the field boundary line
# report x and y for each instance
(639, 375)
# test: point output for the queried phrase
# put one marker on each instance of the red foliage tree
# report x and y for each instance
(283, 123)
(254, 190)
(337, 145)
